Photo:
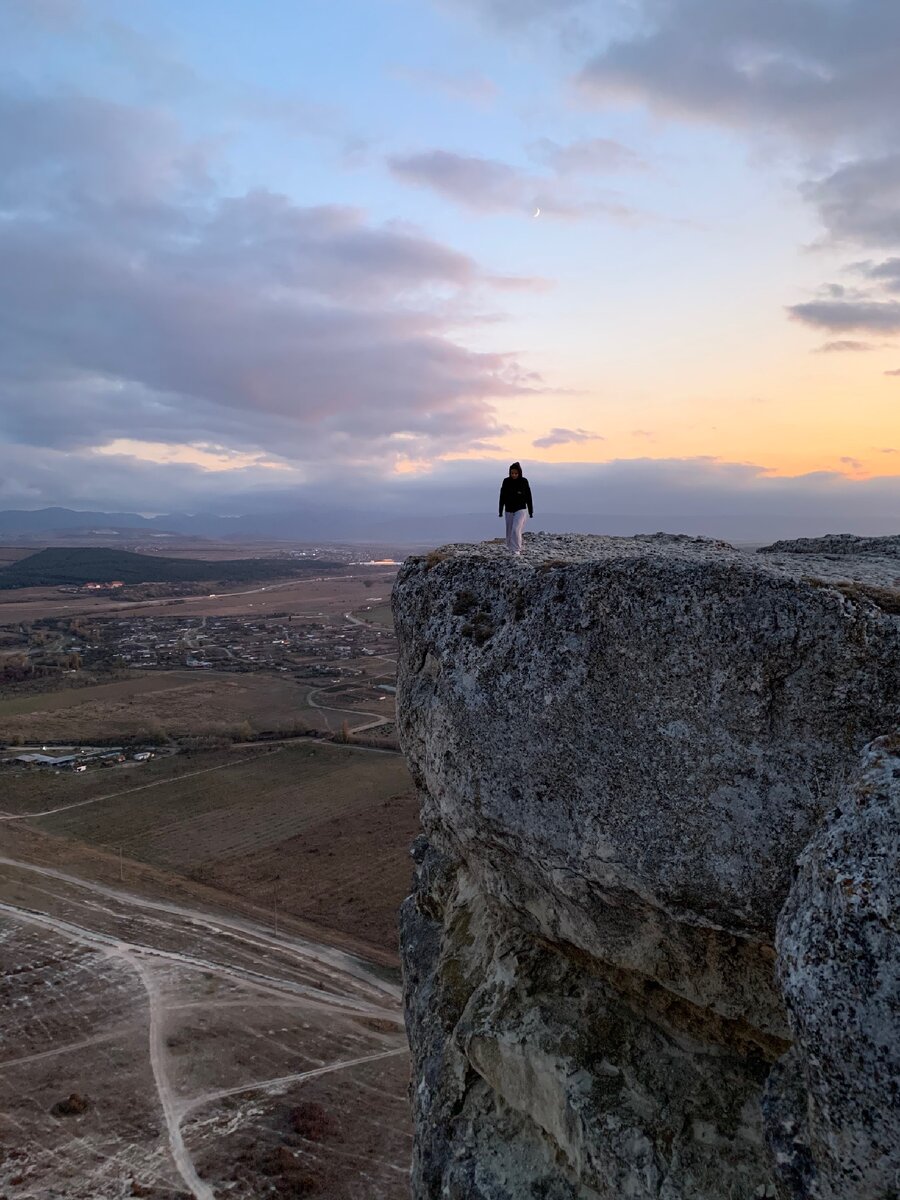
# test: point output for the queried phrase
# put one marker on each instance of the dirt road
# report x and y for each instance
(172, 950)
(169, 780)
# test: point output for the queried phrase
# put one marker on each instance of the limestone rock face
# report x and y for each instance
(838, 543)
(621, 746)
(833, 1104)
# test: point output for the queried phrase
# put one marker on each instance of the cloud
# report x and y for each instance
(860, 201)
(897, 372)
(840, 308)
(840, 316)
(886, 273)
(484, 184)
(587, 156)
(817, 77)
(560, 437)
(844, 345)
(487, 185)
(510, 14)
(68, 154)
(519, 283)
(817, 70)
(140, 303)
(847, 461)
(454, 500)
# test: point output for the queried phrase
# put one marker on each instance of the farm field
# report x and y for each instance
(203, 946)
(380, 614)
(117, 690)
(26, 792)
(329, 594)
(11, 554)
(362, 695)
(329, 826)
(352, 874)
(155, 704)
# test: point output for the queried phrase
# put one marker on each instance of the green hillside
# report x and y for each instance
(63, 565)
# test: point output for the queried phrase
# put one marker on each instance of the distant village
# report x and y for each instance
(279, 643)
(82, 588)
(283, 642)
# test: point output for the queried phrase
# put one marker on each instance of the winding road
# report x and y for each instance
(377, 719)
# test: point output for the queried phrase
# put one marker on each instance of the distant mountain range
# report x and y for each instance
(299, 526)
(64, 565)
(19, 522)
(309, 525)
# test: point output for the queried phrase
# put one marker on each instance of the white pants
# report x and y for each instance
(515, 525)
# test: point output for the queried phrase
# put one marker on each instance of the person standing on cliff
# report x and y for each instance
(515, 499)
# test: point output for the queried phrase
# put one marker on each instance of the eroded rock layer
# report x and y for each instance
(621, 746)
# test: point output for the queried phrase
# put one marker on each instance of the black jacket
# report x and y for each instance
(515, 494)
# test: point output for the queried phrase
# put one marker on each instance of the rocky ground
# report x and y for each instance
(873, 561)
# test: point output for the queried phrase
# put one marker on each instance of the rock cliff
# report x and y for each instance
(622, 747)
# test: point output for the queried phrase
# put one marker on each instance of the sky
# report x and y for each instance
(364, 253)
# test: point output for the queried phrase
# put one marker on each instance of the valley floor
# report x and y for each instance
(161, 1047)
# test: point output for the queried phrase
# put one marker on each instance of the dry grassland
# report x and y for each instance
(153, 704)
(11, 554)
(380, 614)
(36, 791)
(321, 595)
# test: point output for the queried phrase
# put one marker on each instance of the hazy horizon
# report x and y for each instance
(403, 529)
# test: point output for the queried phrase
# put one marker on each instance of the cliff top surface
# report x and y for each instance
(835, 559)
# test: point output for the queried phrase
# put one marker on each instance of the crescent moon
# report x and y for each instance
(537, 212)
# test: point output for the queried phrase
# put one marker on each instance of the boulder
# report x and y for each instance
(833, 1104)
(621, 748)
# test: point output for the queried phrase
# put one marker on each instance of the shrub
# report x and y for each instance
(73, 1106)
(313, 1121)
(464, 603)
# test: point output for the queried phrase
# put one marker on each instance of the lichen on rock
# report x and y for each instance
(621, 747)
(833, 1104)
